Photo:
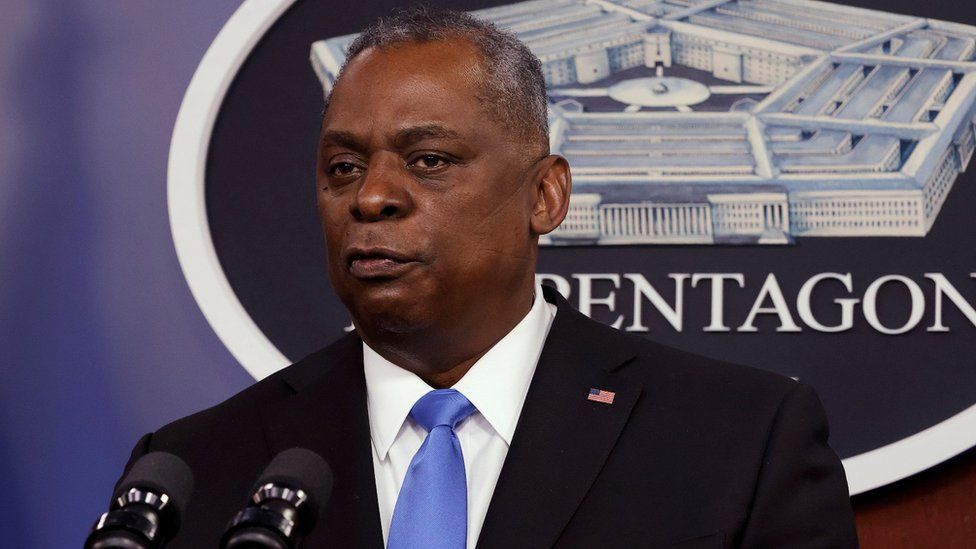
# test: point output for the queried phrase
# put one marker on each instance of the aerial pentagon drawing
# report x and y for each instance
(744, 121)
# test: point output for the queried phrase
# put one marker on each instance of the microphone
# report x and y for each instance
(286, 502)
(147, 506)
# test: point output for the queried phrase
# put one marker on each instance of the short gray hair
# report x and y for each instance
(515, 87)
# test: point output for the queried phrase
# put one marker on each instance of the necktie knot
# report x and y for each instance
(442, 407)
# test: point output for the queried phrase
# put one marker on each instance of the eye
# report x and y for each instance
(343, 169)
(429, 162)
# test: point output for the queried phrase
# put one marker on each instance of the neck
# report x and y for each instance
(441, 356)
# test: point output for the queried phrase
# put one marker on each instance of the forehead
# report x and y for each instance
(410, 82)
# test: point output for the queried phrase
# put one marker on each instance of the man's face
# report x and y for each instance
(425, 198)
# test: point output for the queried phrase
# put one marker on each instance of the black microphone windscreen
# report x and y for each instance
(164, 473)
(300, 468)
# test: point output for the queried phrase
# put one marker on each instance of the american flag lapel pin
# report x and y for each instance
(599, 395)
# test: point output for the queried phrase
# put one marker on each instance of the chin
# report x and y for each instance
(391, 323)
(382, 312)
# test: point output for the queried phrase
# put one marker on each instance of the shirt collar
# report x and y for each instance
(496, 384)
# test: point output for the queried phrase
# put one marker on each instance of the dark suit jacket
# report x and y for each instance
(691, 453)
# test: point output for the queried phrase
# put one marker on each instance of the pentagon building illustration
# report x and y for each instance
(744, 121)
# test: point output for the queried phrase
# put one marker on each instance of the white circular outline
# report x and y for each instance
(238, 332)
(186, 198)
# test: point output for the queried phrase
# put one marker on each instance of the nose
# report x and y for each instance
(382, 194)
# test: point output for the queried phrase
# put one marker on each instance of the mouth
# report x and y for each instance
(378, 263)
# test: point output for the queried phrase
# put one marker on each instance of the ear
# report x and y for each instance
(553, 185)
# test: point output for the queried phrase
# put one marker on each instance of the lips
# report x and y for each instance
(378, 263)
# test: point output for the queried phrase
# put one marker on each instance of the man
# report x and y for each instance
(471, 406)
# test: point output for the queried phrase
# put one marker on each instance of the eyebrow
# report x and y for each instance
(401, 139)
(426, 131)
(343, 139)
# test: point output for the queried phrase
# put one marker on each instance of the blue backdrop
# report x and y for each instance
(101, 338)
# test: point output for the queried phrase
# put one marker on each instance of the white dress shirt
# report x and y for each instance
(496, 384)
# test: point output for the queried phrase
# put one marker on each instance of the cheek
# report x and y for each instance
(503, 225)
(482, 241)
(333, 236)
(331, 217)
(481, 209)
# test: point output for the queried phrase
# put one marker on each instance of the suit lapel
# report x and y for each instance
(328, 415)
(559, 447)
(562, 439)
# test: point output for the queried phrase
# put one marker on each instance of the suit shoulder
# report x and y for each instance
(658, 365)
(681, 362)
(697, 376)
(239, 410)
(730, 405)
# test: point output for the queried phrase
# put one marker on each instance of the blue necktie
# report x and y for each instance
(432, 509)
